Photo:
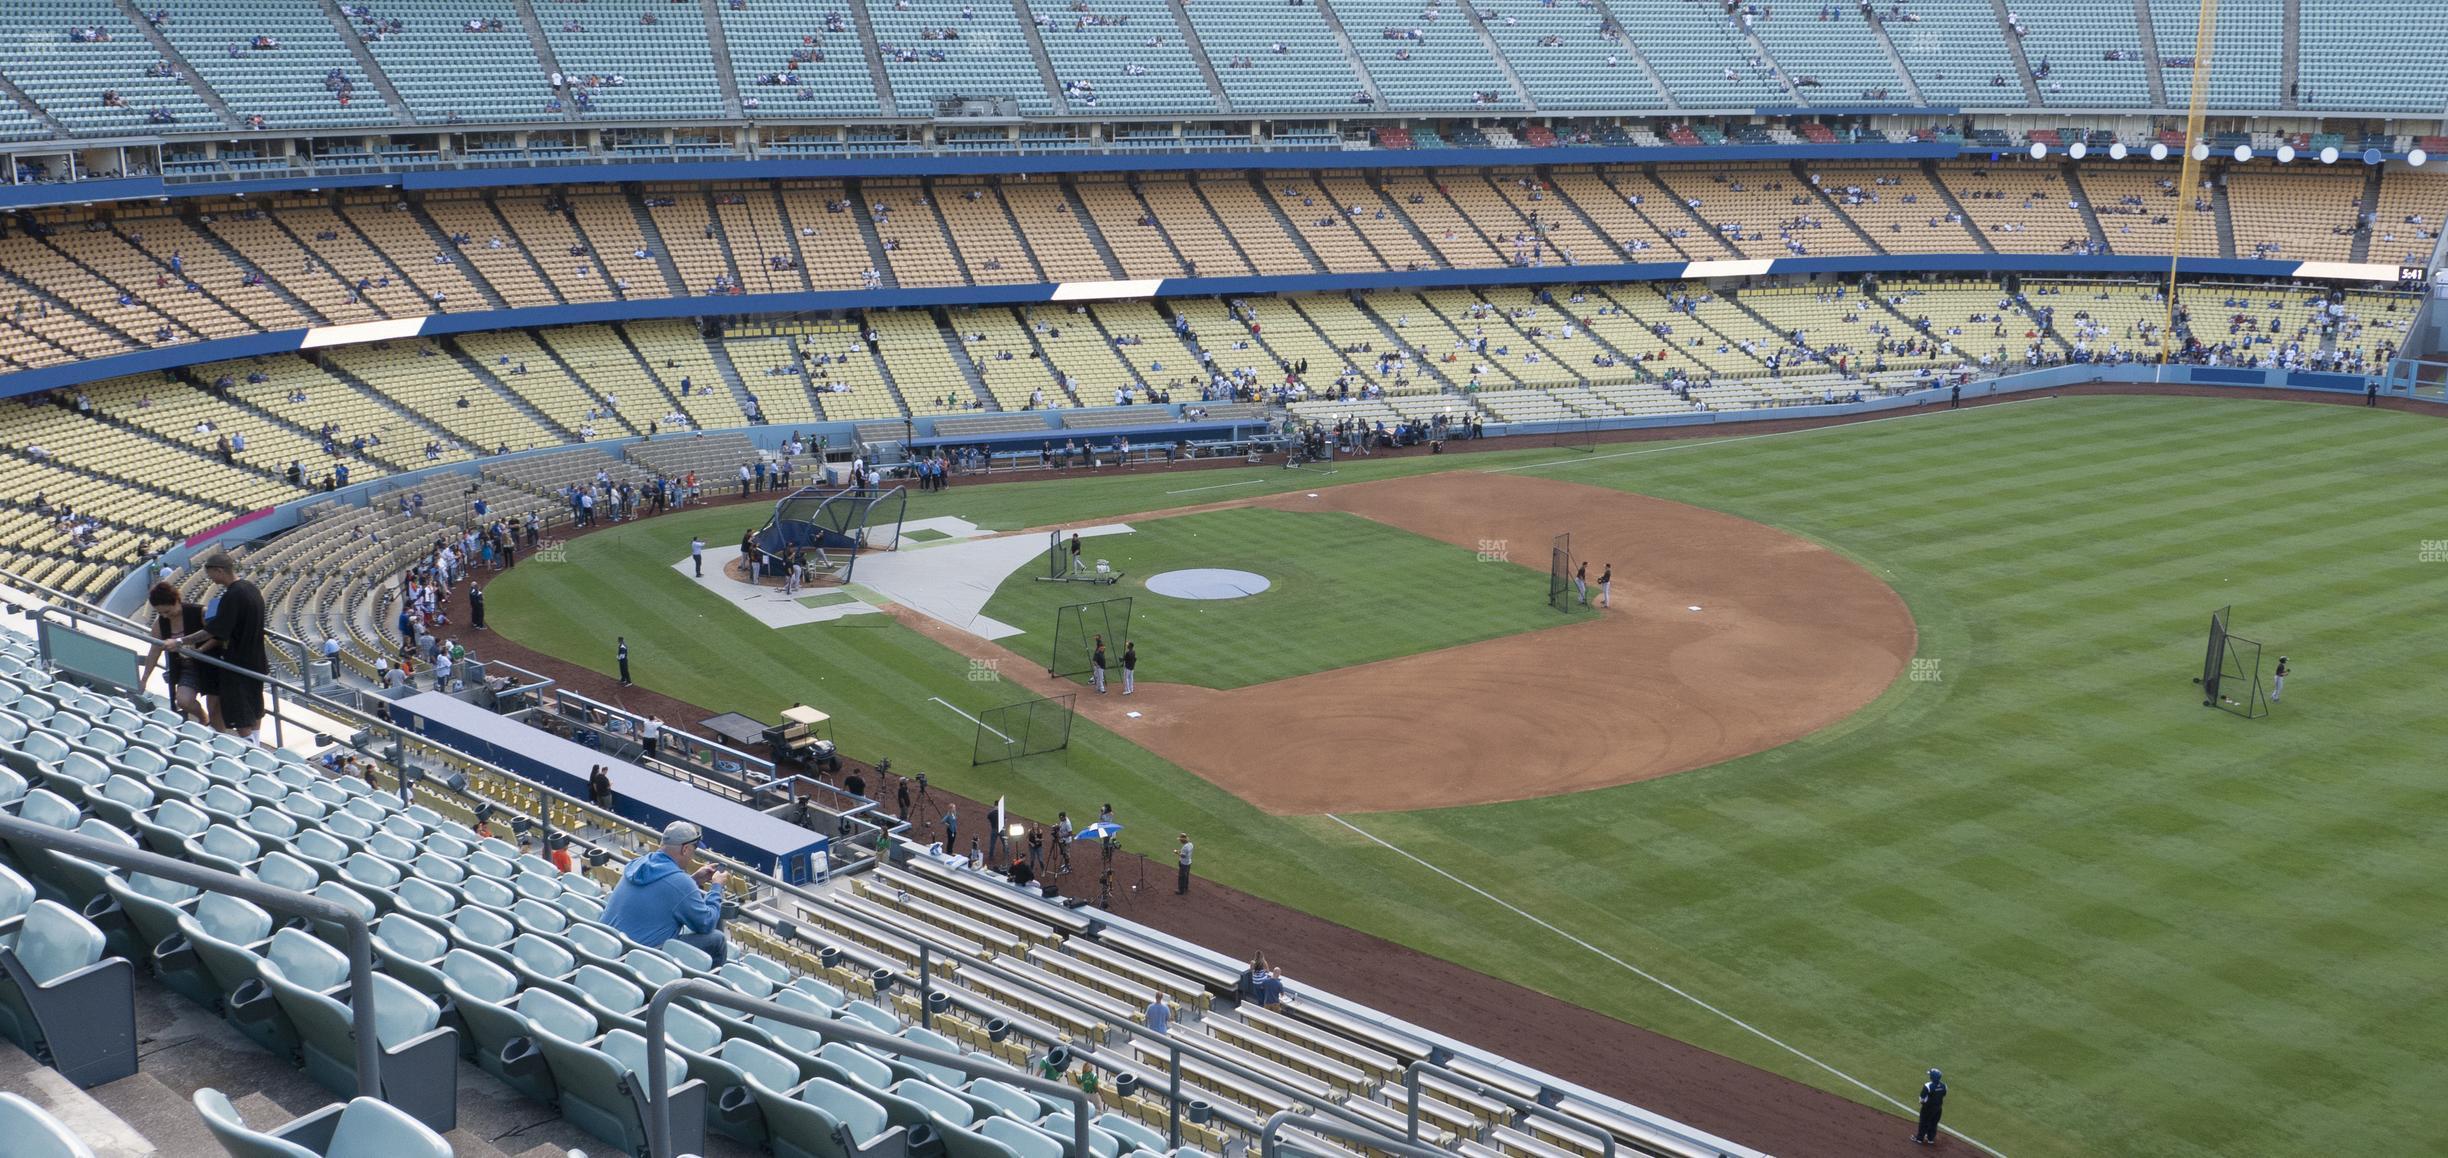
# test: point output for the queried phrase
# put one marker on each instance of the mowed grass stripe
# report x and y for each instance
(2124, 923)
(1344, 591)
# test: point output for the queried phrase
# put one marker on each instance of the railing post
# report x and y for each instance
(1173, 1096)
(279, 900)
(658, 1093)
(1411, 1097)
(1411, 1082)
(926, 986)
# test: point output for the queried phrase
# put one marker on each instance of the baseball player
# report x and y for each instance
(1096, 663)
(2278, 681)
(1606, 586)
(1130, 666)
(1933, 1101)
(1075, 553)
(1581, 583)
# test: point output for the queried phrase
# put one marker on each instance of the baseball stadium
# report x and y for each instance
(1224, 579)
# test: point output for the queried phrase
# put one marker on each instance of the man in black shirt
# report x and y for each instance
(234, 634)
(623, 655)
(1933, 1100)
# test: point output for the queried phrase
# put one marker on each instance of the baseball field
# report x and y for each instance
(1984, 821)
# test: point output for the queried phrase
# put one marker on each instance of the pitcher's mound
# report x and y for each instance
(1208, 583)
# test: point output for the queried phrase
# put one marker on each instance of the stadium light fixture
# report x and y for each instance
(2077, 150)
(2201, 151)
(2116, 151)
(2286, 154)
(2039, 150)
(2243, 152)
(2329, 155)
(2417, 157)
(2158, 150)
(2373, 156)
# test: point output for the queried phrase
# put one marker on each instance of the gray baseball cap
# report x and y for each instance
(681, 832)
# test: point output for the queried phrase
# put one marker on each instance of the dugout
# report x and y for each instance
(762, 841)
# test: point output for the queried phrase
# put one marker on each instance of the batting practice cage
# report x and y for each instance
(1076, 628)
(1560, 574)
(2231, 670)
(1024, 729)
(835, 526)
(1060, 567)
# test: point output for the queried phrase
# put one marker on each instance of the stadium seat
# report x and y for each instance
(358, 1128)
(63, 1002)
(35, 1134)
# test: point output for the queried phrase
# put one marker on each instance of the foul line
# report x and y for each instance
(1686, 444)
(1656, 980)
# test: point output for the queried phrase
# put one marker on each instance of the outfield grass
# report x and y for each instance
(1344, 591)
(2123, 923)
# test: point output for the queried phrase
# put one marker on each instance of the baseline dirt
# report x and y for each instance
(1788, 638)
(1715, 1093)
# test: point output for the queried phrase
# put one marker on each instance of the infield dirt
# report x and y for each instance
(1725, 637)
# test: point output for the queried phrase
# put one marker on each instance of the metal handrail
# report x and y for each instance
(1269, 1147)
(658, 1094)
(1174, 1046)
(1411, 1117)
(400, 736)
(279, 900)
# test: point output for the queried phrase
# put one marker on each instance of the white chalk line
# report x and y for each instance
(1687, 444)
(1658, 981)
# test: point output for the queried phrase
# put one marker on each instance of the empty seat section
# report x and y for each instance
(1569, 59)
(1700, 55)
(284, 63)
(2247, 43)
(633, 62)
(1426, 58)
(1956, 52)
(1057, 233)
(798, 59)
(450, 60)
(2093, 53)
(94, 71)
(936, 49)
(1121, 56)
(1275, 58)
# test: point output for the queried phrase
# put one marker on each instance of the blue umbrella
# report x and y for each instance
(1098, 831)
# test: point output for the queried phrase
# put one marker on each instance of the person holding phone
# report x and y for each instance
(667, 895)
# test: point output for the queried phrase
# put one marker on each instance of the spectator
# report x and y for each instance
(667, 896)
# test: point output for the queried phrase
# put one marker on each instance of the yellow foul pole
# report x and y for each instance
(2195, 141)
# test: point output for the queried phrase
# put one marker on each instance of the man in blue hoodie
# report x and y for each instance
(667, 896)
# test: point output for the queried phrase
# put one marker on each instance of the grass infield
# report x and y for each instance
(1345, 591)
(2123, 923)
